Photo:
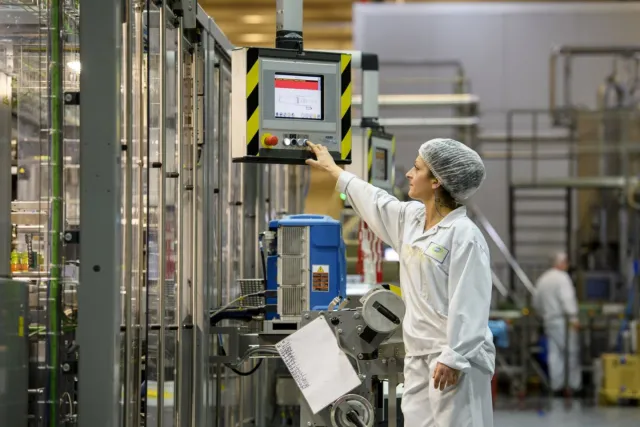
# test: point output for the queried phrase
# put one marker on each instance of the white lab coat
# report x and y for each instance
(445, 278)
(554, 299)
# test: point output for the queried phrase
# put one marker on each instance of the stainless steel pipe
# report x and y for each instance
(568, 152)
(570, 51)
(162, 261)
(178, 380)
(194, 235)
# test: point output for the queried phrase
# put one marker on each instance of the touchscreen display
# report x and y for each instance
(379, 169)
(298, 97)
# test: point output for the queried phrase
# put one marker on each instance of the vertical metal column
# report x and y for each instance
(162, 207)
(511, 200)
(194, 236)
(208, 213)
(140, 214)
(178, 381)
(219, 224)
(128, 212)
(100, 199)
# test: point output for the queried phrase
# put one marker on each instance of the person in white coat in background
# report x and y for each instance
(445, 277)
(554, 300)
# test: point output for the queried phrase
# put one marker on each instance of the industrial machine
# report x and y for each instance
(305, 281)
(282, 98)
(306, 265)
(361, 334)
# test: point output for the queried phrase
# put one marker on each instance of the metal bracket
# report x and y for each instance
(187, 9)
(232, 347)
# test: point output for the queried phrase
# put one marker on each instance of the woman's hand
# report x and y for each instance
(324, 160)
(444, 376)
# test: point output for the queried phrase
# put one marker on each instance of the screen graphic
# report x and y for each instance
(380, 165)
(298, 97)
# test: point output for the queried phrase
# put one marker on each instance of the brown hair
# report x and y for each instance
(443, 197)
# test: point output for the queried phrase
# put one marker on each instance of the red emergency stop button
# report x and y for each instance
(270, 140)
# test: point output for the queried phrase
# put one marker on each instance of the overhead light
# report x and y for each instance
(253, 19)
(254, 38)
(74, 66)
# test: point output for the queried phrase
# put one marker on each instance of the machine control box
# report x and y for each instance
(306, 264)
(282, 98)
(373, 154)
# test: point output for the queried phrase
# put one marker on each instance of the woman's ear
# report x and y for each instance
(435, 184)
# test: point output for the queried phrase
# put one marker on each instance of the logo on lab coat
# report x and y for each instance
(437, 252)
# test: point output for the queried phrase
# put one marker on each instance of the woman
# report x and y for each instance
(445, 277)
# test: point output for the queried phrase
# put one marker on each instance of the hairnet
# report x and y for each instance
(558, 257)
(458, 168)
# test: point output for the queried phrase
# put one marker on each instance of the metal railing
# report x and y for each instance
(493, 235)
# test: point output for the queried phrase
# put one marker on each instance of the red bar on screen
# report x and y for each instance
(297, 84)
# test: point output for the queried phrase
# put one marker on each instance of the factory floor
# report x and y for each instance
(557, 414)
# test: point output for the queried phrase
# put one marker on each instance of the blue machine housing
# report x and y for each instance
(326, 248)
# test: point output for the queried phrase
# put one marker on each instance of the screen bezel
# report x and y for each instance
(322, 95)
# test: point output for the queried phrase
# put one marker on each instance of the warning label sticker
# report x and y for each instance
(320, 278)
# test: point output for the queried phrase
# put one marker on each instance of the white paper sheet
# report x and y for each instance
(321, 370)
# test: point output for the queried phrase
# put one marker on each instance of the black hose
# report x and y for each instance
(245, 374)
(228, 365)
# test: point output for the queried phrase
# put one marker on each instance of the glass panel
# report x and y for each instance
(153, 206)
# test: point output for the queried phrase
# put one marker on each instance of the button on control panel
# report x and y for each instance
(295, 141)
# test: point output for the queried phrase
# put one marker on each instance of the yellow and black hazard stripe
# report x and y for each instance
(253, 102)
(345, 106)
(369, 153)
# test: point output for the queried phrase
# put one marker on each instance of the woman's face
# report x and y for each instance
(422, 184)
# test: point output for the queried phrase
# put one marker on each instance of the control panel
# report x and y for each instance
(283, 98)
(373, 154)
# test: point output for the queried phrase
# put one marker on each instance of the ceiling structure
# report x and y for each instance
(327, 23)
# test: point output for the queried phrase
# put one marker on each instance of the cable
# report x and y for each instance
(228, 365)
(240, 298)
(70, 402)
(245, 374)
(264, 263)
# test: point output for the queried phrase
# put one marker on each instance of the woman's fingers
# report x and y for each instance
(316, 147)
(437, 377)
(443, 377)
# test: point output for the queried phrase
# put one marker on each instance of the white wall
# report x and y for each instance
(505, 49)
